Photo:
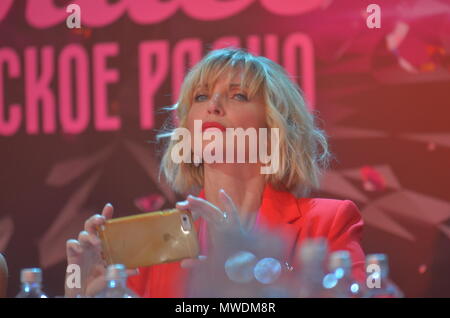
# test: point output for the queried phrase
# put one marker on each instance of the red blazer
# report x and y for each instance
(337, 220)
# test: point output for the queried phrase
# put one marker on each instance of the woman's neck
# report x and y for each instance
(242, 182)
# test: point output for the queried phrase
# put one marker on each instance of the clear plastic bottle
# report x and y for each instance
(339, 282)
(313, 254)
(31, 279)
(275, 278)
(378, 284)
(116, 283)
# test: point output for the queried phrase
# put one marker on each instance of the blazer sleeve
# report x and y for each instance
(346, 233)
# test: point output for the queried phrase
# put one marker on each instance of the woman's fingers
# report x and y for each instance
(185, 206)
(74, 252)
(108, 211)
(95, 285)
(191, 262)
(88, 240)
(73, 248)
(188, 206)
(182, 205)
(93, 222)
(212, 214)
(230, 208)
(85, 251)
(205, 209)
(97, 220)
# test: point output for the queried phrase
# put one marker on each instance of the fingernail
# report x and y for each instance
(77, 249)
(109, 204)
(183, 202)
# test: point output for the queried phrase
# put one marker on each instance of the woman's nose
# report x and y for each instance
(215, 105)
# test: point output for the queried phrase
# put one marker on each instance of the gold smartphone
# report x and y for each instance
(149, 238)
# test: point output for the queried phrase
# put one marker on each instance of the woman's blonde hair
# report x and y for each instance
(303, 147)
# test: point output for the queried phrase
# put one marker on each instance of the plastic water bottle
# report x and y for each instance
(313, 254)
(267, 270)
(239, 267)
(31, 279)
(339, 281)
(378, 284)
(275, 279)
(116, 283)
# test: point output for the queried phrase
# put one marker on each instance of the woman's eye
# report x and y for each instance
(201, 98)
(241, 97)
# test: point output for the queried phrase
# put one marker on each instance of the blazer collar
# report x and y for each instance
(278, 207)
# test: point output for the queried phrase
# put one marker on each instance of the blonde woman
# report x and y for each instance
(231, 89)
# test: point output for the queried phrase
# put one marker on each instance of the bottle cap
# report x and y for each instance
(115, 272)
(31, 275)
(340, 259)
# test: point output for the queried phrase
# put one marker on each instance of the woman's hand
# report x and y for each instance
(86, 253)
(220, 220)
(233, 254)
(222, 223)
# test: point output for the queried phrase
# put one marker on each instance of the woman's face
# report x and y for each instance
(226, 105)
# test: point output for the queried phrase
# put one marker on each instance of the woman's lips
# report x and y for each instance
(207, 125)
